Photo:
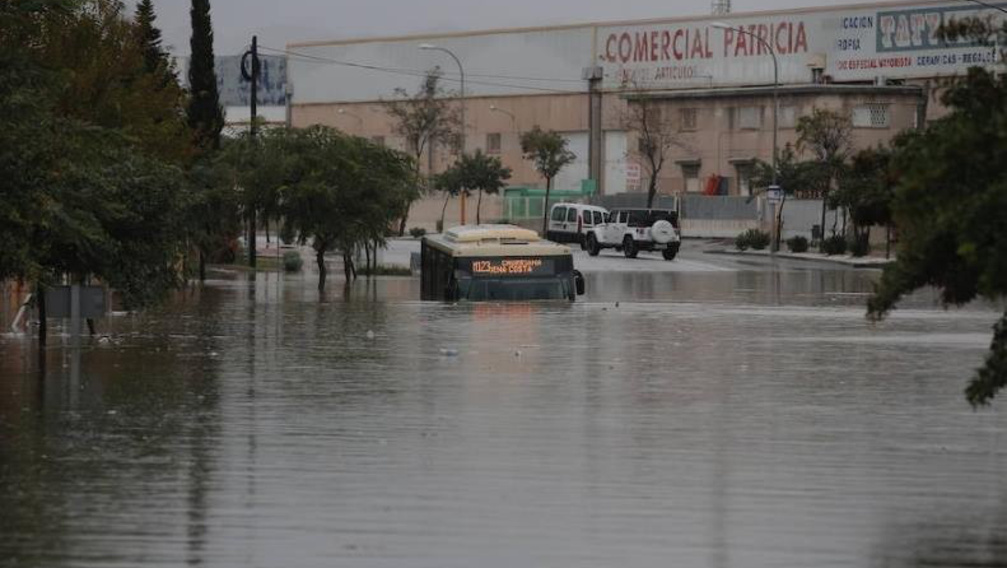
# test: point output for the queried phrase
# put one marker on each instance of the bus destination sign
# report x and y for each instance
(511, 267)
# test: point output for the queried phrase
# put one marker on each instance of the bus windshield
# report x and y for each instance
(478, 289)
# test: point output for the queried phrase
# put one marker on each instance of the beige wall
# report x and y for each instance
(716, 144)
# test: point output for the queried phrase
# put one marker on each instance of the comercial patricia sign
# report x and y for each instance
(849, 44)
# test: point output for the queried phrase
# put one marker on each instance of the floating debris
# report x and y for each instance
(449, 352)
(370, 334)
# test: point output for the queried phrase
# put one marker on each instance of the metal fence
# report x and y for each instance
(718, 207)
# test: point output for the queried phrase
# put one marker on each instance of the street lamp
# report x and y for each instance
(513, 118)
(344, 112)
(776, 106)
(461, 72)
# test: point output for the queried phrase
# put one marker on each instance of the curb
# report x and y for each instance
(850, 261)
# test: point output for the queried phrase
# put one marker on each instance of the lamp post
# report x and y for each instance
(344, 112)
(461, 72)
(513, 118)
(776, 111)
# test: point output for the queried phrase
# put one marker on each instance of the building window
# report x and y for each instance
(493, 143)
(691, 174)
(787, 117)
(744, 171)
(378, 140)
(871, 115)
(749, 118)
(688, 119)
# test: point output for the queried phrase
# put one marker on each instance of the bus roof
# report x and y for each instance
(494, 240)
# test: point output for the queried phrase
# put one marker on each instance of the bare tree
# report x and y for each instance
(656, 135)
(424, 119)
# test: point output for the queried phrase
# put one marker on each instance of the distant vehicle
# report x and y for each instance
(496, 262)
(570, 222)
(633, 230)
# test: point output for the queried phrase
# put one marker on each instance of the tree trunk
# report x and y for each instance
(367, 253)
(320, 259)
(202, 266)
(821, 239)
(43, 325)
(888, 241)
(779, 223)
(266, 223)
(444, 210)
(651, 191)
(251, 239)
(348, 269)
(545, 208)
(479, 206)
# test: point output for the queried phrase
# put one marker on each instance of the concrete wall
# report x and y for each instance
(800, 215)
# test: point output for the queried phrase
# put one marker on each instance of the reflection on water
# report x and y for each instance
(749, 418)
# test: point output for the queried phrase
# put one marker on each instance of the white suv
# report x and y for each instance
(633, 230)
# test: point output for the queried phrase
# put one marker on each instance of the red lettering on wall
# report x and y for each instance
(676, 48)
(728, 41)
(625, 47)
(801, 43)
(665, 44)
(780, 47)
(697, 47)
(642, 48)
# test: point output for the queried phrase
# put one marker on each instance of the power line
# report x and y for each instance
(416, 73)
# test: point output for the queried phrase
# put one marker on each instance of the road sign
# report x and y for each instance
(774, 193)
(58, 302)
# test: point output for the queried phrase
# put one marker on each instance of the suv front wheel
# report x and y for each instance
(629, 247)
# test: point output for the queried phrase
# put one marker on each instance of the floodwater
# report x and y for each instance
(744, 417)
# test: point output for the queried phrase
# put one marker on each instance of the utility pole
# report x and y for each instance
(594, 75)
(252, 75)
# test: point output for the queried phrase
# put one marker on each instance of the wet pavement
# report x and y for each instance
(741, 415)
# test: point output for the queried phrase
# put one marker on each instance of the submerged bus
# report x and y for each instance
(497, 262)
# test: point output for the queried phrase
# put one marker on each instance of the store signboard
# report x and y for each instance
(849, 44)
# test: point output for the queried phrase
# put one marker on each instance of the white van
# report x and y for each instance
(570, 222)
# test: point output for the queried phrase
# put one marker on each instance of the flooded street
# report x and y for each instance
(740, 413)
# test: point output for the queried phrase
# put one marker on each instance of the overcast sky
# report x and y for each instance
(280, 21)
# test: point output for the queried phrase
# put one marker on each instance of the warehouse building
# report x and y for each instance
(714, 79)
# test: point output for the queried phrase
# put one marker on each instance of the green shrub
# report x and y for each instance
(836, 244)
(752, 238)
(292, 261)
(417, 232)
(860, 246)
(797, 244)
(741, 242)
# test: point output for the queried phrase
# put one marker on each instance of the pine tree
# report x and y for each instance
(206, 117)
(150, 36)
